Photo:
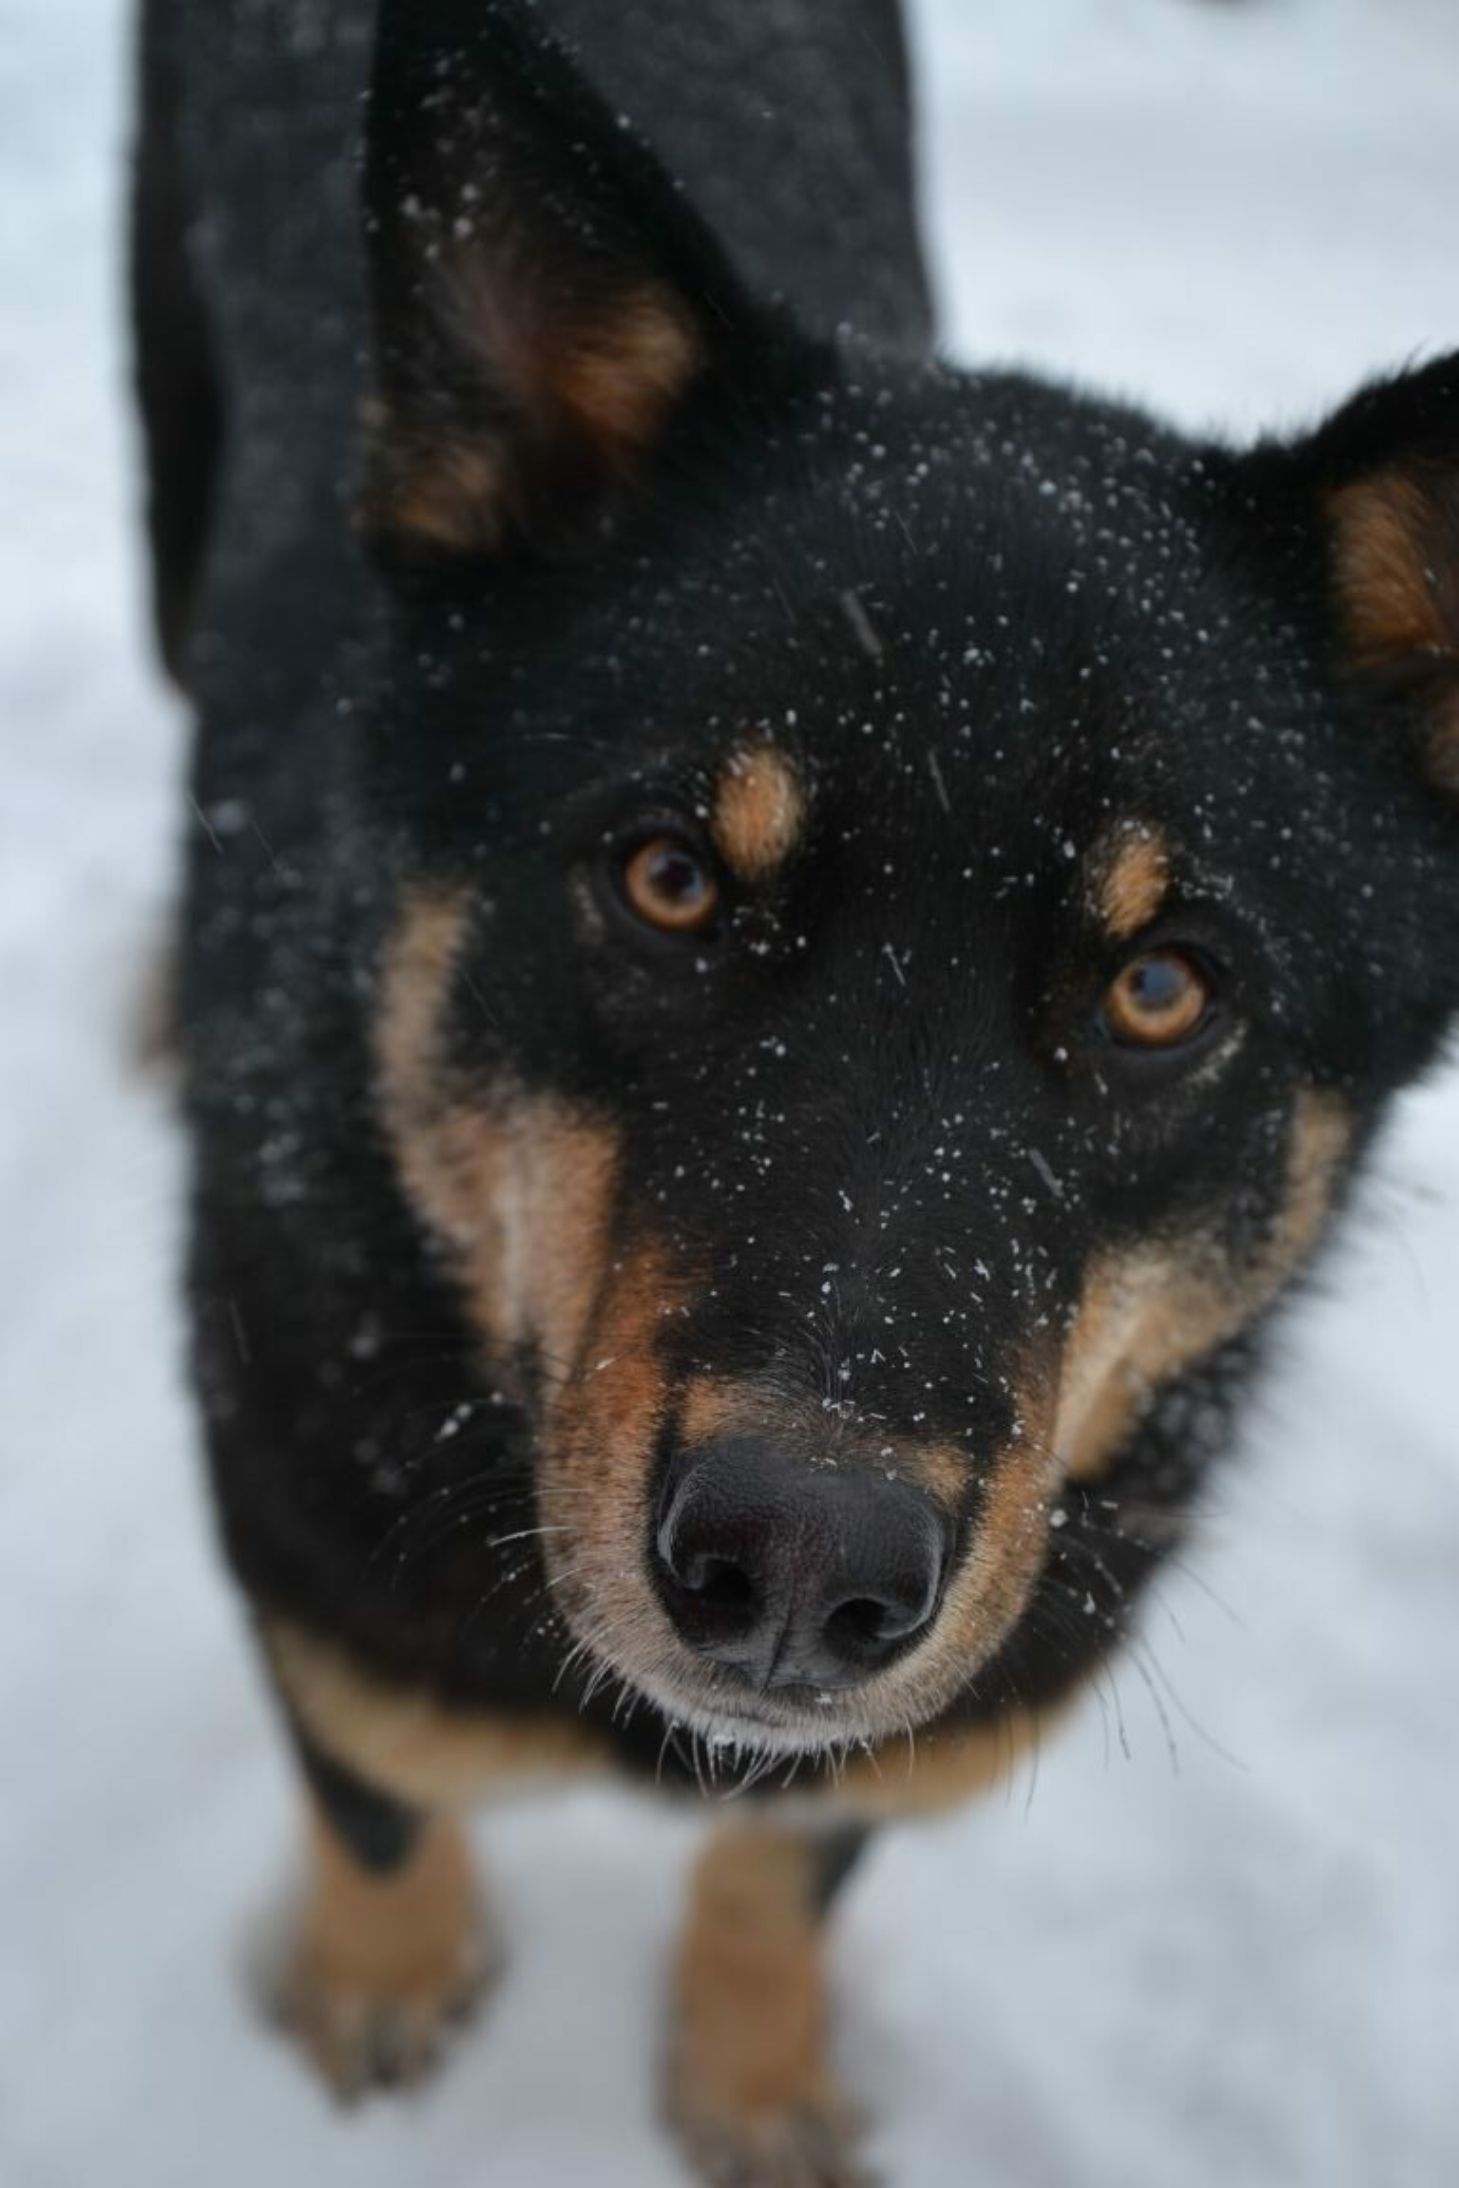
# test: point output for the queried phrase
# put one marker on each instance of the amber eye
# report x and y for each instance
(670, 886)
(1158, 1001)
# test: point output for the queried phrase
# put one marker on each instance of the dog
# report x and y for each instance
(788, 954)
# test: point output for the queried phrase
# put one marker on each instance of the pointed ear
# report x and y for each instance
(543, 300)
(1383, 478)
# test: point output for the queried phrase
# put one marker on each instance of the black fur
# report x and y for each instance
(381, 1832)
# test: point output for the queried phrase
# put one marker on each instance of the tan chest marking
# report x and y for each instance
(406, 1742)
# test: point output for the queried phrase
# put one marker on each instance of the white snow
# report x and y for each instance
(1236, 1972)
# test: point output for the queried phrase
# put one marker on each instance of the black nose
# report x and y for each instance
(796, 1575)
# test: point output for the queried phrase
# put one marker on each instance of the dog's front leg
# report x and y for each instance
(387, 1947)
(750, 2087)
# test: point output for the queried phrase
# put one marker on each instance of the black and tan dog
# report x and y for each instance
(787, 953)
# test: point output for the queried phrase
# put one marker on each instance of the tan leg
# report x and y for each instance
(750, 2090)
(383, 1960)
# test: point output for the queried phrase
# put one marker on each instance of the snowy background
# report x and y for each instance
(1225, 1956)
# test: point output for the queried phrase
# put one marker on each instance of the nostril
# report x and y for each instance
(705, 1572)
(859, 1625)
(867, 1624)
(717, 1583)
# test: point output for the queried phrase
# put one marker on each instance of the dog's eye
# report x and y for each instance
(670, 886)
(1158, 1000)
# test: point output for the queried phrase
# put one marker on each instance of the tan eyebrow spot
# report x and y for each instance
(1129, 879)
(758, 810)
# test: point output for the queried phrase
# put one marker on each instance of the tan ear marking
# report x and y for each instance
(598, 385)
(617, 376)
(1396, 566)
(450, 494)
(758, 811)
(1382, 528)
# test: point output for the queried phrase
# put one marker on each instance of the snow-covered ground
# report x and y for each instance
(1217, 1944)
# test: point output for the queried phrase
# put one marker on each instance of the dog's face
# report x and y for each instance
(913, 891)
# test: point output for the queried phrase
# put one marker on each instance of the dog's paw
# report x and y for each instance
(810, 2146)
(379, 2027)
(374, 1972)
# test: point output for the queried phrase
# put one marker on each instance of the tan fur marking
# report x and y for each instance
(711, 1408)
(1131, 879)
(749, 2086)
(450, 496)
(1380, 526)
(941, 1770)
(408, 1743)
(1396, 557)
(520, 1188)
(1396, 554)
(594, 1473)
(381, 1964)
(600, 383)
(993, 1582)
(758, 810)
(618, 376)
(1147, 1316)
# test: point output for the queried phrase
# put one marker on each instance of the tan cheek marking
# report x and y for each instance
(992, 1583)
(520, 1188)
(747, 2066)
(758, 810)
(404, 1741)
(1130, 879)
(1142, 1321)
(1145, 1318)
(598, 1452)
(524, 1195)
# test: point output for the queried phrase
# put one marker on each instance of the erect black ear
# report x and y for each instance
(1382, 478)
(543, 299)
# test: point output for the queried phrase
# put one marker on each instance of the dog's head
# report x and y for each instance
(912, 892)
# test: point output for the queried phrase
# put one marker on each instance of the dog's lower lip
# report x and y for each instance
(798, 1731)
